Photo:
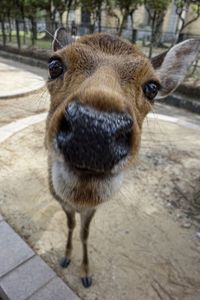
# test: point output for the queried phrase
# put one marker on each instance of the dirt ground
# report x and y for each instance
(143, 243)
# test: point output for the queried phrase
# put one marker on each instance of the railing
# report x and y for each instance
(27, 33)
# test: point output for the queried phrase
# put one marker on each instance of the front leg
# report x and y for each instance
(71, 223)
(86, 218)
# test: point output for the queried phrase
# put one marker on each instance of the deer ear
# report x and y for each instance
(62, 38)
(172, 66)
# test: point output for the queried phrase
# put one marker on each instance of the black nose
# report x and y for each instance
(92, 140)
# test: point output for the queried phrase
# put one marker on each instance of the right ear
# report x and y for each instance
(172, 66)
(61, 39)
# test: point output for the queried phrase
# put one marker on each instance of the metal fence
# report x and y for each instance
(27, 29)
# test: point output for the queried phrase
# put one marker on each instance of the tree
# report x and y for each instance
(156, 10)
(31, 8)
(10, 8)
(6, 14)
(95, 7)
(5, 6)
(183, 8)
(127, 8)
(71, 4)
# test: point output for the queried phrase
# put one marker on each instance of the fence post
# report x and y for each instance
(134, 35)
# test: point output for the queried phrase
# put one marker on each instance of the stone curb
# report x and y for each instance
(24, 59)
(23, 93)
(23, 274)
(41, 54)
(182, 101)
(174, 120)
(8, 130)
(189, 90)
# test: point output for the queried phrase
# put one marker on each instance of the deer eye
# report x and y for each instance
(56, 68)
(151, 89)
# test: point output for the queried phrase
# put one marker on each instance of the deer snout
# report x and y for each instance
(93, 141)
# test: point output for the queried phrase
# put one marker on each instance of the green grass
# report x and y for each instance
(41, 41)
(43, 44)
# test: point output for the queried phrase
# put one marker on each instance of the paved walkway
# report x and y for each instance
(15, 82)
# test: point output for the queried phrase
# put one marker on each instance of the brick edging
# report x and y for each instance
(23, 274)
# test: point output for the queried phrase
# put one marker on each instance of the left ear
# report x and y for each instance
(172, 66)
(61, 39)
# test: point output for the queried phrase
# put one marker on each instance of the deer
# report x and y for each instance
(101, 89)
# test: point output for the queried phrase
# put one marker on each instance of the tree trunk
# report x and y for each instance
(24, 29)
(18, 34)
(91, 28)
(68, 11)
(24, 23)
(181, 18)
(34, 30)
(49, 26)
(61, 18)
(157, 34)
(152, 34)
(123, 23)
(10, 28)
(67, 19)
(112, 14)
(49, 22)
(134, 31)
(99, 17)
(3, 32)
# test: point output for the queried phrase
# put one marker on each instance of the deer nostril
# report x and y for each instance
(65, 125)
(123, 132)
(94, 140)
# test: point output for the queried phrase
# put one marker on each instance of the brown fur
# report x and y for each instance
(108, 74)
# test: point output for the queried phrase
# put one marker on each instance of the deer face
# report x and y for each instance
(101, 89)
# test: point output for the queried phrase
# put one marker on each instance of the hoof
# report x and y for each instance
(64, 262)
(86, 281)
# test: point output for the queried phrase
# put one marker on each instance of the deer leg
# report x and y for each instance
(86, 218)
(71, 223)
